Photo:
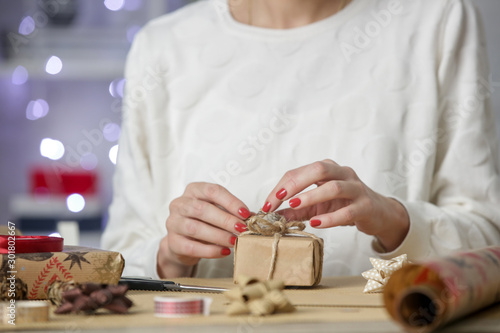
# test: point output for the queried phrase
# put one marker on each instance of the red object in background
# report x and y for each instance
(30, 244)
(45, 181)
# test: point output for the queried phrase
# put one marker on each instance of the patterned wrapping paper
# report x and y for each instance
(35, 271)
(422, 297)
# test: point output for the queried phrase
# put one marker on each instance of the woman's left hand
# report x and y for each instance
(340, 199)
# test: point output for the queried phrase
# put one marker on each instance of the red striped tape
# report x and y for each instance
(171, 307)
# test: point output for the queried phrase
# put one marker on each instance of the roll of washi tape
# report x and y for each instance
(22, 312)
(173, 307)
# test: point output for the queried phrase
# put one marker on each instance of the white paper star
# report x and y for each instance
(382, 269)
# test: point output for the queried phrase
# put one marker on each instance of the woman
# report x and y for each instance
(378, 109)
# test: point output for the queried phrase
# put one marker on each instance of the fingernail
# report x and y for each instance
(295, 202)
(267, 207)
(225, 252)
(281, 194)
(315, 223)
(244, 212)
(240, 227)
(233, 240)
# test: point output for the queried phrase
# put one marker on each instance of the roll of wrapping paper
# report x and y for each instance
(424, 296)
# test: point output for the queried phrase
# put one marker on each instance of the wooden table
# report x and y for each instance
(337, 305)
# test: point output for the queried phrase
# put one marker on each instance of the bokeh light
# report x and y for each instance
(37, 109)
(114, 5)
(55, 234)
(112, 88)
(27, 26)
(52, 149)
(75, 202)
(116, 88)
(89, 161)
(111, 132)
(20, 76)
(54, 65)
(113, 153)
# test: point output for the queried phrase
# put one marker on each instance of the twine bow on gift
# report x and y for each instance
(273, 224)
(381, 272)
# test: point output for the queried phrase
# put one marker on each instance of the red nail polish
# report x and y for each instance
(233, 240)
(295, 202)
(244, 212)
(281, 194)
(225, 252)
(267, 207)
(240, 227)
(315, 223)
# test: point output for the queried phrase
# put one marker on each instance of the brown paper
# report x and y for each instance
(299, 259)
(80, 264)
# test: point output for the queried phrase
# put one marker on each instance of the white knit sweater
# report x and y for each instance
(397, 90)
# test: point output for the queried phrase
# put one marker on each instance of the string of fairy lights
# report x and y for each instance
(38, 108)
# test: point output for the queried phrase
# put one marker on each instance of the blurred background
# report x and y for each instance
(61, 85)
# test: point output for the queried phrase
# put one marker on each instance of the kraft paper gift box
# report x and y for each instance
(80, 264)
(299, 259)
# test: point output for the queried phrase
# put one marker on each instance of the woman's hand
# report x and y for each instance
(202, 224)
(340, 199)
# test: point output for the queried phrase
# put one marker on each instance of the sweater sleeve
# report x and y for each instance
(132, 228)
(462, 211)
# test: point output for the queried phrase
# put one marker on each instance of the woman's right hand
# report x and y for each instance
(203, 223)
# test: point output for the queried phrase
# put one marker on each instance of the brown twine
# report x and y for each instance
(273, 224)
